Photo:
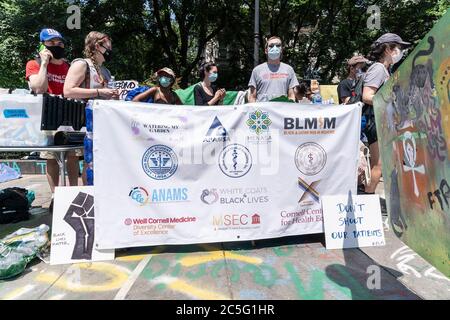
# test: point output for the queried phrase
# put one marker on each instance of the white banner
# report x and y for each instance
(186, 174)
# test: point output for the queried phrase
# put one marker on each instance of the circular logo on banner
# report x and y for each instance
(310, 158)
(139, 195)
(235, 160)
(159, 162)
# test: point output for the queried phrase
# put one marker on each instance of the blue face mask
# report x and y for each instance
(213, 76)
(274, 53)
(165, 81)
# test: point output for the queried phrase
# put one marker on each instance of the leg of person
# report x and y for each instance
(73, 169)
(375, 164)
(83, 174)
(52, 174)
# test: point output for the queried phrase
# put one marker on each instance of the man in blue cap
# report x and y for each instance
(47, 73)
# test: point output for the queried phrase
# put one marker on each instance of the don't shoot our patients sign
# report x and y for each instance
(186, 174)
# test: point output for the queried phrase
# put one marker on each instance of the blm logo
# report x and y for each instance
(80, 216)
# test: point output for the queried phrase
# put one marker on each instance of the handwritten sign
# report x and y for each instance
(73, 229)
(352, 221)
(125, 86)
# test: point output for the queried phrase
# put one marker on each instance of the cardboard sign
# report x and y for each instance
(125, 86)
(352, 221)
(73, 228)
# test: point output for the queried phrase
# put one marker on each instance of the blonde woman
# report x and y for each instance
(88, 78)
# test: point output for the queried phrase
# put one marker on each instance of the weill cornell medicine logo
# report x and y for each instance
(235, 160)
(159, 162)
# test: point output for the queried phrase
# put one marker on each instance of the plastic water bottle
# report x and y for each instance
(317, 98)
(112, 83)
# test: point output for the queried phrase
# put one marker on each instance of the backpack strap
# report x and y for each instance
(86, 84)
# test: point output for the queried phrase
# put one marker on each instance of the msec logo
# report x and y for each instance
(159, 162)
(139, 195)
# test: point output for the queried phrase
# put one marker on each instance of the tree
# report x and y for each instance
(147, 35)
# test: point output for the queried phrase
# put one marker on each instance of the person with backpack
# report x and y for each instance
(356, 67)
(206, 92)
(386, 51)
(163, 92)
(47, 74)
(88, 79)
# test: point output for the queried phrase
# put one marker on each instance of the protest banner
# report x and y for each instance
(181, 174)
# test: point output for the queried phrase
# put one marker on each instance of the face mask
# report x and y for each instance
(57, 51)
(213, 76)
(274, 53)
(107, 55)
(397, 56)
(165, 81)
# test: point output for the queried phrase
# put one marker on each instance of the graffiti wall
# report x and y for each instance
(412, 114)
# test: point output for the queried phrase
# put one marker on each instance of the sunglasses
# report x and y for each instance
(278, 45)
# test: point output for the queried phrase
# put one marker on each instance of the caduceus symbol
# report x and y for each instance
(311, 158)
(234, 159)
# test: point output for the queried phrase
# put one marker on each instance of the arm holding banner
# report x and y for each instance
(144, 96)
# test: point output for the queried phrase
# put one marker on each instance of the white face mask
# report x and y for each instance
(274, 53)
(397, 55)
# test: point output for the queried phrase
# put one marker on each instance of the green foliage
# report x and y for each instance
(319, 35)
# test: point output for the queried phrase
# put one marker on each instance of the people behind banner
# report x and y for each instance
(303, 93)
(46, 73)
(87, 77)
(273, 78)
(356, 67)
(206, 93)
(386, 51)
(162, 93)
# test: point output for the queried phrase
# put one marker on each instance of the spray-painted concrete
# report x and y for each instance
(288, 268)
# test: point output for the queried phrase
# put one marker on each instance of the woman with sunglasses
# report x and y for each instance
(273, 78)
(88, 78)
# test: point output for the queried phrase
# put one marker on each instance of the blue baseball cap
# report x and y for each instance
(48, 34)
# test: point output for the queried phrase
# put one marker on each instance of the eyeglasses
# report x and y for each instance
(278, 45)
